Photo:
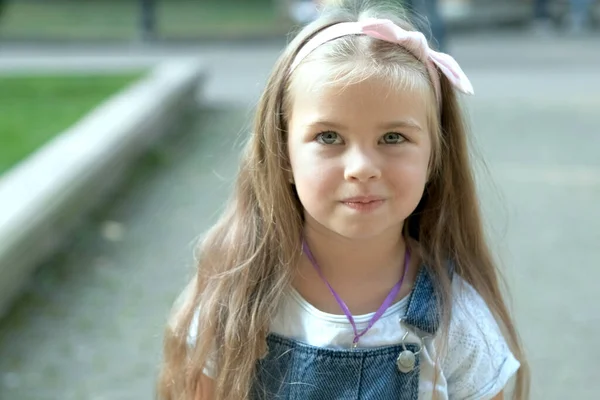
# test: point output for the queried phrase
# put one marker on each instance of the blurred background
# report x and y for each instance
(99, 217)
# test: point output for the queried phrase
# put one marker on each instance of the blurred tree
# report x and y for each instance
(147, 20)
(282, 8)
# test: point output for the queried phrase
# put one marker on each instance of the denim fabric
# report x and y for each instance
(422, 312)
(297, 371)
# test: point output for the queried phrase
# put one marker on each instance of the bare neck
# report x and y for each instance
(362, 272)
(361, 258)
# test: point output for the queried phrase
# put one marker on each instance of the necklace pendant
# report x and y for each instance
(354, 344)
(406, 361)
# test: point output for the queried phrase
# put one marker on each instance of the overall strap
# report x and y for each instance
(423, 310)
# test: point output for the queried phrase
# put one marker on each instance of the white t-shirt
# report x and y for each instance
(478, 363)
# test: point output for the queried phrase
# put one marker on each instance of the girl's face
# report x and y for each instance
(359, 157)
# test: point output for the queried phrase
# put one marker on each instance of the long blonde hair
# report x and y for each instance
(246, 261)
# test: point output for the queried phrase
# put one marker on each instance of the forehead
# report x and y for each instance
(363, 103)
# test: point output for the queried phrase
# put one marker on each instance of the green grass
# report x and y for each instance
(110, 20)
(37, 108)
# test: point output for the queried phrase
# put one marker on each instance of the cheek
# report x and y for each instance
(409, 177)
(316, 179)
(409, 182)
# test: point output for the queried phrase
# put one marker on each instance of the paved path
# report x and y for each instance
(90, 324)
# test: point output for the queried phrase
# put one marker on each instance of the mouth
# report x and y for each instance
(362, 199)
(363, 203)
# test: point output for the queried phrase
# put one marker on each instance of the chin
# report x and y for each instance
(363, 232)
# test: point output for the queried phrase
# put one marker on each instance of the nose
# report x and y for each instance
(361, 166)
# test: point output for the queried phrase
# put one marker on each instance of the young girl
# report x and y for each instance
(351, 261)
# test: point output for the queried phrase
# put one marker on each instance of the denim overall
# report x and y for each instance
(293, 370)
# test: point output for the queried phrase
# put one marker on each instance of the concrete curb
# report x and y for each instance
(46, 196)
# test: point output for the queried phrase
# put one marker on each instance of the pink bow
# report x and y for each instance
(413, 41)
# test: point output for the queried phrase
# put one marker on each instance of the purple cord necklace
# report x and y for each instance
(384, 306)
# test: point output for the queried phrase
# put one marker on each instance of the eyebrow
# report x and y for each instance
(404, 123)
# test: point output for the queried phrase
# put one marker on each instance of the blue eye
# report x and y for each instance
(328, 138)
(392, 138)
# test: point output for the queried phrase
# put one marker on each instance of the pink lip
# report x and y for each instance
(363, 203)
(362, 199)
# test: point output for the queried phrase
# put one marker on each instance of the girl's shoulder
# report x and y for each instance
(468, 306)
(477, 362)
